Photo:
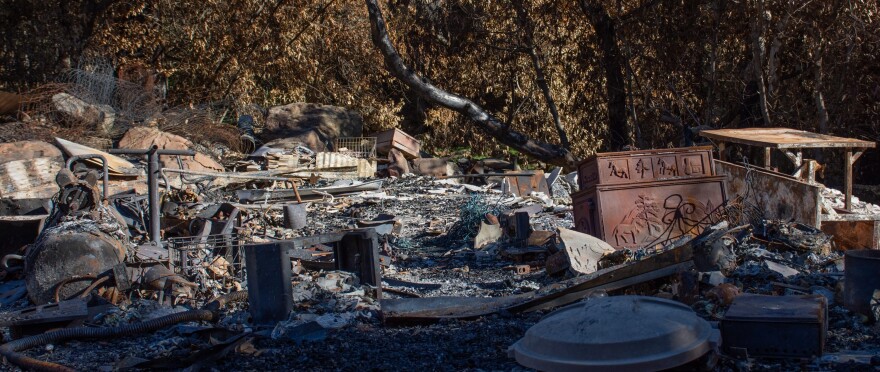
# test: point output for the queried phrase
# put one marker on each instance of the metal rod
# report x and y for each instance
(92, 156)
(153, 174)
(296, 192)
(153, 191)
(847, 182)
(225, 175)
(486, 175)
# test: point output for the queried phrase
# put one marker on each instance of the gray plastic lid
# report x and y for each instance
(620, 333)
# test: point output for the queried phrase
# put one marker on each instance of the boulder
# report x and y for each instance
(101, 117)
(9, 103)
(145, 137)
(314, 125)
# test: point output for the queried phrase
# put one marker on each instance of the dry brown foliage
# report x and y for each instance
(806, 64)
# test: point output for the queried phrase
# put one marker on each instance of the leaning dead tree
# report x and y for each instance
(546, 152)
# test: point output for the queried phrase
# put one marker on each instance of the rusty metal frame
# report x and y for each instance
(791, 143)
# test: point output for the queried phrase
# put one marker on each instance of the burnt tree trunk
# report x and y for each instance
(488, 123)
(606, 33)
(540, 77)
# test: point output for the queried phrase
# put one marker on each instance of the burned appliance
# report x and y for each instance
(83, 239)
(775, 326)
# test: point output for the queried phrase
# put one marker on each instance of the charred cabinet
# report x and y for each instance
(638, 198)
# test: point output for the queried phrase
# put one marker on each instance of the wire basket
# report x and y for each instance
(358, 147)
(223, 254)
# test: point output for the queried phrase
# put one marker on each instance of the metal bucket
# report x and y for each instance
(862, 278)
(295, 216)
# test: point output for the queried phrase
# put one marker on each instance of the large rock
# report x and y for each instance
(9, 103)
(101, 117)
(314, 125)
(145, 137)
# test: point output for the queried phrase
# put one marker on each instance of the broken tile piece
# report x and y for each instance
(781, 269)
(580, 253)
(488, 234)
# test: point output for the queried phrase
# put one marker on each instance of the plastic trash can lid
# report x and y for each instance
(619, 333)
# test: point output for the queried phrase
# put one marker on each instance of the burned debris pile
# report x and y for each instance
(162, 254)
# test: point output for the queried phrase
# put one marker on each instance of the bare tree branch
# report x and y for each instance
(488, 123)
(540, 77)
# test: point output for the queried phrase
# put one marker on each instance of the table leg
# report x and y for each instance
(811, 171)
(767, 157)
(796, 158)
(847, 188)
(849, 159)
(721, 154)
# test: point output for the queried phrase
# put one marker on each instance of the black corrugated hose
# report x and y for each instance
(11, 350)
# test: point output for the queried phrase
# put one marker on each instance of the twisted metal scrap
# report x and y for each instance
(11, 350)
(468, 225)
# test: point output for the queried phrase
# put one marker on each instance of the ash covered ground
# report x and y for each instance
(336, 325)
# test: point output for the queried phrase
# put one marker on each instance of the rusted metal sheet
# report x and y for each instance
(24, 150)
(858, 232)
(398, 139)
(49, 313)
(29, 178)
(525, 185)
(780, 197)
(783, 138)
(335, 165)
(635, 216)
(776, 326)
(18, 231)
(629, 167)
(791, 143)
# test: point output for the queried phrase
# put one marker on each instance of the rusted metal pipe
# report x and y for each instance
(105, 176)
(485, 175)
(70, 280)
(94, 285)
(4, 263)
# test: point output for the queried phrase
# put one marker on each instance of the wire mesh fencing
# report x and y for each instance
(220, 254)
(357, 147)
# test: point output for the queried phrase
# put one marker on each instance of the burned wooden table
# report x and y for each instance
(791, 143)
